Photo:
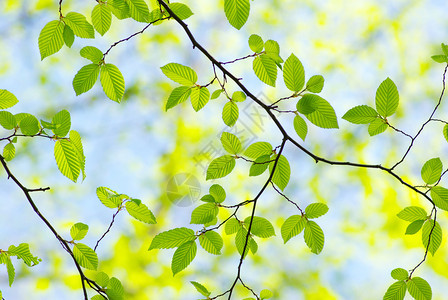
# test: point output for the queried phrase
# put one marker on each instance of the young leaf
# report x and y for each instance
(259, 165)
(232, 226)
(399, 274)
(208, 198)
(444, 48)
(315, 84)
(51, 38)
(282, 172)
(258, 149)
(85, 256)
(199, 97)
(62, 123)
(386, 99)
(261, 227)
(414, 227)
(79, 231)
(442, 59)
(230, 113)
(9, 152)
(10, 269)
(68, 36)
(140, 212)
(115, 290)
(231, 143)
(139, 10)
(79, 25)
(318, 111)
(293, 74)
(102, 279)
(238, 96)
(181, 10)
(314, 237)
(431, 170)
(266, 294)
(108, 197)
(237, 12)
(218, 193)
(300, 127)
(29, 125)
(101, 18)
(177, 96)
(396, 291)
(440, 197)
(92, 53)
(85, 78)
(361, 114)
(419, 288)
(200, 288)
(66, 157)
(412, 213)
(292, 227)
(220, 167)
(211, 242)
(445, 132)
(183, 256)
(179, 73)
(75, 138)
(265, 69)
(204, 213)
(23, 252)
(376, 127)
(7, 99)
(119, 8)
(436, 236)
(172, 238)
(7, 120)
(315, 210)
(112, 82)
(216, 94)
(240, 241)
(256, 43)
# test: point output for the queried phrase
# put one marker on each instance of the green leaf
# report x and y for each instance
(79, 231)
(399, 274)
(315, 210)
(181, 10)
(292, 227)
(258, 149)
(101, 18)
(79, 25)
(272, 48)
(266, 294)
(300, 127)
(51, 38)
(119, 8)
(419, 289)
(361, 114)
(230, 113)
(108, 197)
(318, 111)
(231, 143)
(232, 226)
(172, 238)
(177, 96)
(260, 165)
(412, 213)
(256, 43)
(238, 96)
(68, 36)
(261, 227)
(85, 256)
(216, 94)
(432, 170)
(204, 213)
(220, 167)
(112, 82)
(29, 125)
(92, 53)
(445, 132)
(200, 288)
(440, 58)
(179, 73)
(386, 99)
(211, 242)
(10, 269)
(139, 10)
(85, 78)
(199, 97)
(436, 236)
(7, 99)
(282, 172)
(237, 12)
(102, 279)
(7, 120)
(293, 74)
(115, 290)
(265, 69)
(440, 197)
(444, 48)
(218, 193)
(240, 240)
(396, 291)
(414, 227)
(62, 123)
(376, 127)
(66, 157)
(140, 212)
(314, 237)
(23, 252)
(75, 138)
(315, 84)
(183, 256)
(9, 152)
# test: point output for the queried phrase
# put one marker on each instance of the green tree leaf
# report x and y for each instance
(66, 157)
(238, 96)
(75, 138)
(92, 53)
(183, 256)
(11, 271)
(51, 38)
(282, 172)
(29, 125)
(101, 18)
(211, 242)
(179, 73)
(85, 256)
(172, 238)
(293, 74)
(232, 226)
(23, 252)
(440, 197)
(139, 11)
(318, 111)
(216, 94)
(256, 43)
(258, 149)
(361, 114)
(399, 274)
(177, 96)
(220, 167)
(314, 237)
(79, 231)
(316, 210)
(431, 170)
(68, 36)
(119, 8)
(112, 82)
(260, 165)
(436, 236)
(115, 290)
(230, 113)
(240, 240)
(7, 99)
(231, 143)
(414, 227)
(396, 291)
(85, 78)
(300, 127)
(79, 25)
(266, 294)
(200, 288)
(265, 69)
(444, 48)
(445, 132)
(419, 289)
(376, 127)
(102, 279)
(9, 152)
(412, 213)
(62, 123)
(199, 97)
(7, 120)
(261, 227)
(237, 12)
(218, 193)
(292, 227)
(386, 99)
(108, 197)
(140, 212)
(204, 213)
(442, 59)
(181, 10)
(315, 84)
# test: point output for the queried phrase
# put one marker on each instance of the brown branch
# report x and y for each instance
(108, 229)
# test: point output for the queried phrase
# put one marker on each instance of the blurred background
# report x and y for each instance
(138, 149)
